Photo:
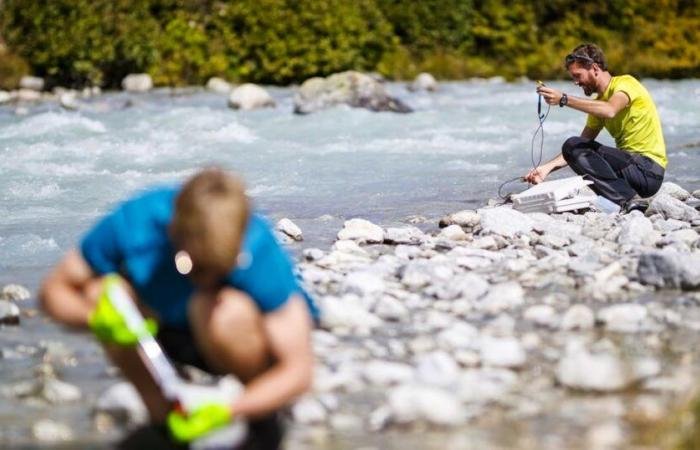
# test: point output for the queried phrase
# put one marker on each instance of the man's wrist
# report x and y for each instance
(564, 100)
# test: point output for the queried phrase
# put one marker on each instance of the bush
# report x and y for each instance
(12, 68)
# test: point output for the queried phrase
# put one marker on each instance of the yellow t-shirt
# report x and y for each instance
(637, 127)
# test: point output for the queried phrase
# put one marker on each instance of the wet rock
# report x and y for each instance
(437, 369)
(624, 318)
(423, 82)
(467, 218)
(412, 402)
(637, 230)
(9, 313)
(454, 233)
(504, 352)
(51, 431)
(291, 229)
(672, 208)
(504, 221)
(137, 82)
(542, 315)
(123, 404)
(669, 269)
(218, 85)
(385, 373)
(404, 235)
(362, 231)
(578, 317)
(308, 411)
(673, 190)
(351, 88)
(31, 83)
(250, 96)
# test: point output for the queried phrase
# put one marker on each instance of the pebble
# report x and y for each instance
(291, 229)
(362, 231)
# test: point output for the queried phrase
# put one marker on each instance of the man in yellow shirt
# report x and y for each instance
(624, 108)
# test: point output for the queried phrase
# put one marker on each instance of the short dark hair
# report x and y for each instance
(586, 55)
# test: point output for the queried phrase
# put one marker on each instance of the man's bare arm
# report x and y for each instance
(63, 292)
(289, 332)
(598, 108)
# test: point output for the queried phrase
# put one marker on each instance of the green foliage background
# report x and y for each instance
(179, 42)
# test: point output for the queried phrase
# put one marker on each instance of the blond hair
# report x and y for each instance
(211, 213)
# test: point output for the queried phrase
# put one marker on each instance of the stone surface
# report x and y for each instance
(291, 229)
(423, 82)
(362, 231)
(351, 88)
(250, 96)
(504, 221)
(218, 85)
(137, 82)
(669, 269)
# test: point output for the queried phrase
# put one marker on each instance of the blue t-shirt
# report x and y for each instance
(133, 241)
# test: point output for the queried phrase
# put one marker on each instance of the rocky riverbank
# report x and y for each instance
(487, 327)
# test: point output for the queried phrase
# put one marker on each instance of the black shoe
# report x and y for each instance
(635, 205)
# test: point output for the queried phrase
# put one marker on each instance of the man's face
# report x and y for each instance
(585, 78)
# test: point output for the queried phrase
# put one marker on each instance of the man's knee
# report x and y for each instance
(229, 313)
(571, 148)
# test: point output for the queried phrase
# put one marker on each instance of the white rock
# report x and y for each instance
(485, 242)
(466, 218)
(638, 230)
(625, 318)
(606, 436)
(137, 82)
(686, 236)
(459, 336)
(250, 96)
(308, 411)
(364, 283)
(671, 269)
(218, 85)
(385, 373)
(437, 369)
(673, 190)
(542, 315)
(28, 95)
(123, 403)
(410, 402)
(454, 233)
(291, 229)
(672, 208)
(9, 313)
(47, 430)
(424, 82)
(502, 352)
(504, 221)
(32, 83)
(336, 312)
(56, 391)
(485, 385)
(404, 235)
(347, 246)
(5, 97)
(313, 254)
(502, 297)
(69, 101)
(696, 193)
(390, 308)
(362, 231)
(578, 317)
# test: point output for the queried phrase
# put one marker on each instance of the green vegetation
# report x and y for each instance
(83, 42)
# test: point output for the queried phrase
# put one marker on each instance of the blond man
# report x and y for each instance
(213, 277)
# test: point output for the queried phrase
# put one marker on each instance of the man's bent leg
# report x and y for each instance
(229, 332)
(603, 168)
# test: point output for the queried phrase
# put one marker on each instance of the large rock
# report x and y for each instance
(351, 88)
(637, 230)
(673, 190)
(362, 231)
(672, 208)
(504, 221)
(424, 82)
(137, 82)
(218, 85)
(32, 83)
(669, 269)
(250, 96)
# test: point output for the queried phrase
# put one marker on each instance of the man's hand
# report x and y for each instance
(106, 322)
(550, 95)
(537, 175)
(186, 427)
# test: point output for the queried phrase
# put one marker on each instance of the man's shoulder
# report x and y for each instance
(626, 81)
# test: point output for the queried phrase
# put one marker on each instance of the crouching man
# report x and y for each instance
(215, 283)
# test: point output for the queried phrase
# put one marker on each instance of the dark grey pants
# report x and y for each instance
(616, 174)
